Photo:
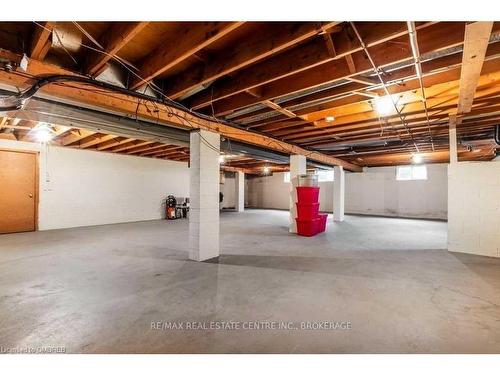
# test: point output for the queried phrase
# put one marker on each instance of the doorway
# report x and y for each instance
(19, 191)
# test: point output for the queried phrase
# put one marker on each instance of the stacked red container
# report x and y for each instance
(309, 221)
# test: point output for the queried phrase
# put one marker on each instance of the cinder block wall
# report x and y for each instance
(374, 192)
(474, 208)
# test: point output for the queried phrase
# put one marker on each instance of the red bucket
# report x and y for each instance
(307, 194)
(307, 228)
(322, 222)
(307, 211)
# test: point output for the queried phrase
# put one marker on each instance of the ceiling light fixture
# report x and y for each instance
(222, 159)
(43, 132)
(384, 105)
(417, 158)
(329, 118)
(266, 169)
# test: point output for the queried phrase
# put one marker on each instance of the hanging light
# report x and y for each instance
(266, 169)
(384, 105)
(417, 158)
(43, 132)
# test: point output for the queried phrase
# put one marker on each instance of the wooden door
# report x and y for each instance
(18, 191)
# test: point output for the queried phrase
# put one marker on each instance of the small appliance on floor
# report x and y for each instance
(171, 205)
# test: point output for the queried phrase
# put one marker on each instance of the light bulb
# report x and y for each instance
(43, 133)
(384, 105)
(417, 158)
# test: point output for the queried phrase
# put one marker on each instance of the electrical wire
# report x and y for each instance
(377, 72)
(166, 100)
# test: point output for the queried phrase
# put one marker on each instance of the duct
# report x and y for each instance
(497, 135)
(349, 145)
(259, 153)
(45, 110)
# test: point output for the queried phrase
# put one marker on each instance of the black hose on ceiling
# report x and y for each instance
(60, 78)
(497, 135)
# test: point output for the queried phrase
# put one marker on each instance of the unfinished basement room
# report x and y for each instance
(250, 187)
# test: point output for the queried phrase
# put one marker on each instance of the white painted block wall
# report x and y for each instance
(82, 187)
(474, 208)
(375, 191)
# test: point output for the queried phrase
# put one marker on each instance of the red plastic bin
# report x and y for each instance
(307, 194)
(307, 211)
(322, 222)
(307, 228)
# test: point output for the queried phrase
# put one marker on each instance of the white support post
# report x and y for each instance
(338, 193)
(297, 167)
(453, 140)
(239, 193)
(204, 195)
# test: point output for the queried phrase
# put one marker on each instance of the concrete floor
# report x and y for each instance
(97, 289)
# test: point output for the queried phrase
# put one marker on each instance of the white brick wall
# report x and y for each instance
(474, 208)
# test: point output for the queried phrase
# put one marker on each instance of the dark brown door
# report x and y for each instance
(18, 191)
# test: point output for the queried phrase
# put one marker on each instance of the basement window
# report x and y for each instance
(411, 172)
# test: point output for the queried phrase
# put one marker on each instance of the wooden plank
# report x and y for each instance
(278, 108)
(253, 48)
(301, 58)
(122, 103)
(433, 38)
(114, 39)
(477, 35)
(191, 40)
(40, 40)
(75, 135)
(95, 139)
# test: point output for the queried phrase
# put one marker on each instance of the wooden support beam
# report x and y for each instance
(129, 145)
(74, 136)
(432, 38)
(40, 43)
(95, 139)
(364, 80)
(453, 139)
(113, 143)
(191, 39)
(306, 56)
(114, 39)
(260, 45)
(278, 108)
(123, 103)
(477, 36)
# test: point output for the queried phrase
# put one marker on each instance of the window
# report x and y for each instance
(411, 172)
(323, 176)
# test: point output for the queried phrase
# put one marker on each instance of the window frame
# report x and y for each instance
(412, 176)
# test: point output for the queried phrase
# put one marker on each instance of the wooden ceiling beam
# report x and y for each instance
(253, 48)
(129, 145)
(113, 143)
(123, 103)
(306, 56)
(432, 38)
(74, 136)
(114, 39)
(191, 39)
(40, 42)
(477, 36)
(95, 139)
